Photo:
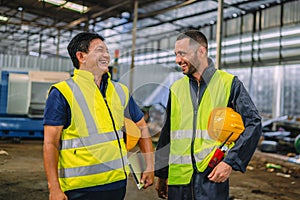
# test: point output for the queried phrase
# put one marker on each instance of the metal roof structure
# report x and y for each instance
(35, 27)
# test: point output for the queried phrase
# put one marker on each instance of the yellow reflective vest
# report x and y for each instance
(189, 136)
(92, 148)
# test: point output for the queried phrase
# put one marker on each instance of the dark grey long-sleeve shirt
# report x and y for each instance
(239, 156)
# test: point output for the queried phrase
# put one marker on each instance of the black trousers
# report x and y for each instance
(118, 194)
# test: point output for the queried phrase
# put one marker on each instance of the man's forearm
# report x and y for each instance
(145, 144)
(147, 150)
(50, 164)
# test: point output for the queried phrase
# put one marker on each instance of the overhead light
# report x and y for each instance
(24, 27)
(262, 6)
(3, 18)
(69, 5)
(55, 2)
(33, 53)
(76, 7)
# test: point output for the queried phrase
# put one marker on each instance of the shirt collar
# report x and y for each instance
(89, 75)
(83, 73)
(207, 73)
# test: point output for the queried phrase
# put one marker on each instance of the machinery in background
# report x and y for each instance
(22, 101)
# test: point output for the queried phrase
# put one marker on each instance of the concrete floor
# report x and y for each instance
(133, 193)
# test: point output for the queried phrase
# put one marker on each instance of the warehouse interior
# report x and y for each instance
(258, 41)
(263, 51)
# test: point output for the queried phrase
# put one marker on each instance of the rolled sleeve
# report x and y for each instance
(132, 111)
(56, 111)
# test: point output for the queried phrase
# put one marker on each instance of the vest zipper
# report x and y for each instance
(115, 130)
(196, 103)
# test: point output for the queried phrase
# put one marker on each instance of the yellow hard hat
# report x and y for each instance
(224, 121)
(133, 134)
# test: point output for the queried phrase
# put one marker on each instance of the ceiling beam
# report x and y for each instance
(95, 15)
(146, 15)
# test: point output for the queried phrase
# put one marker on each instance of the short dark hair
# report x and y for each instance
(81, 42)
(196, 36)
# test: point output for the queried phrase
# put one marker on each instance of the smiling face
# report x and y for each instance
(97, 59)
(186, 56)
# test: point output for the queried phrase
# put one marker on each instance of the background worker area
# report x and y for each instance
(185, 148)
(85, 156)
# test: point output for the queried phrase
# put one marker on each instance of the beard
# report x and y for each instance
(191, 70)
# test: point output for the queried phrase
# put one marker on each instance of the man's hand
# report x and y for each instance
(145, 144)
(161, 187)
(147, 178)
(220, 173)
(57, 195)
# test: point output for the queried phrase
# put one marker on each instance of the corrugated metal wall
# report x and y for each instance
(22, 62)
(274, 89)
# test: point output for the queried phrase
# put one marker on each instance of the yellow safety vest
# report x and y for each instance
(188, 125)
(90, 153)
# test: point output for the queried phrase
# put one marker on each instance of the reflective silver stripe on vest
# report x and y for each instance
(202, 134)
(176, 159)
(204, 152)
(91, 140)
(91, 170)
(201, 155)
(180, 159)
(91, 126)
(183, 134)
(120, 92)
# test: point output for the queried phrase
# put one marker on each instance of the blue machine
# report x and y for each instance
(16, 125)
(22, 101)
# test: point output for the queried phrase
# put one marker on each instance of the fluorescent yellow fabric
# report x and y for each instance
(188, 124)
(90, 153)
